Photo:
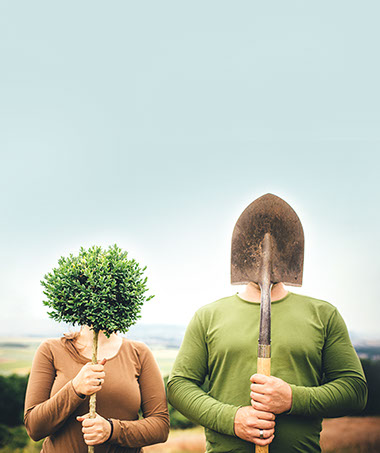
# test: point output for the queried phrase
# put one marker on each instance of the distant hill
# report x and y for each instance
(368, 352)
(166, 336)
(155, 335)
(158, 335)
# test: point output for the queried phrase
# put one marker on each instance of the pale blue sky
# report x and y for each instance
(154, 124)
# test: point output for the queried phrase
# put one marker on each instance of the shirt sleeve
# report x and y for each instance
(44, 414)
(184, 386)
(154, 427)
(344, 391)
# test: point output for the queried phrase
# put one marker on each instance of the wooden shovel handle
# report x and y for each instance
(263, 367)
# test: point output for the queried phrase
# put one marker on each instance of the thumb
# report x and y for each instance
(80, 418)
(103, 362)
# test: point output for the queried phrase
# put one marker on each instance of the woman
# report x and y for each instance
(126, 380)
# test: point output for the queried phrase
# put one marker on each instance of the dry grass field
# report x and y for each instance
(339, 435)
(351, 435)
(181, 441)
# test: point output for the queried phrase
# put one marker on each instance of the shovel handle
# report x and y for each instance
(264, 349)
(263, 367)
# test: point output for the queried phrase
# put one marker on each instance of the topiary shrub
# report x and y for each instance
(102, 289)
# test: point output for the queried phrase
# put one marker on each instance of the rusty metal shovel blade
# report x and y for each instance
(268, 216)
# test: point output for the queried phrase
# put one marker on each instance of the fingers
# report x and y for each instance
(87, 380)
(259, 379)
(97, 381)
(94, 380)
(259, 397)
(96, 367)
(94, 371)
(259, 406)
(95, 430)
(96, 374)
(265, 424)
(91, 441)
(94, 377)
(86, 419)
(263, 442)
(80, 418)
(95, 388)
(89, 436)
(88, 423)
(248, 422)
(258, 388)
(263, 415)
(266, 433)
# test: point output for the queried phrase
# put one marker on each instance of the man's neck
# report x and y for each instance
(252, 292)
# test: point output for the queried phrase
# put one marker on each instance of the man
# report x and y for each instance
(315, 373)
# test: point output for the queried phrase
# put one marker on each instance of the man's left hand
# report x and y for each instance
(270, 394)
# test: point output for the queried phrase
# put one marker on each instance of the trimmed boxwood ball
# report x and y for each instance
(102, 289)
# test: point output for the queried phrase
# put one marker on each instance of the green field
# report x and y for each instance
(16, 355)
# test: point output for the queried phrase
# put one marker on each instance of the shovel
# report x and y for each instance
(267, 248)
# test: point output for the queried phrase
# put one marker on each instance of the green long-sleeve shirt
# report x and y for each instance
(311, 350)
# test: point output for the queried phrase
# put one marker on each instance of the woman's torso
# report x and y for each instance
(119, 397)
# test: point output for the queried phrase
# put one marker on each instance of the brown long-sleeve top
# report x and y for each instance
(133, 381)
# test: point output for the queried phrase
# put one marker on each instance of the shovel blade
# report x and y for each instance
(268, 214)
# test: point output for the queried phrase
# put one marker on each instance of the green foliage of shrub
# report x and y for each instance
(99, 288)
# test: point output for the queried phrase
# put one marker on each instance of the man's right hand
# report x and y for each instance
(248, 423)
